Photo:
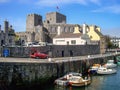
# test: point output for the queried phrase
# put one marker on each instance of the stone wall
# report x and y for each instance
(25, 74)
(14, 75)
(56, 50)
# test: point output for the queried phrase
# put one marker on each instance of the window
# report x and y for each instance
(67, 42)
(48, 22)
(91, 37)
(10, 40)
(73, 41)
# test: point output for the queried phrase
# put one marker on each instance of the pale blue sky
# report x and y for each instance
(103, 13)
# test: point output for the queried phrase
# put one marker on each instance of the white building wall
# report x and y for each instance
(119, 44)
(67, 41)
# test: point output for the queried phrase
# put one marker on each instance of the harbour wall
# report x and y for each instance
(28, 74)
(55, 50)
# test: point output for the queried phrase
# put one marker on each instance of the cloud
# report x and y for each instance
(4, 1)
(96, 2)
(63, 2)
(26, 1)
(110, 9)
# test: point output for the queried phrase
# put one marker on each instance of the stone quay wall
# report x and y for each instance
(24, 74)
(56, 50)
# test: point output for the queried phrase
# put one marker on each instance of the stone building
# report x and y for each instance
(115, 41)
(38, 30)
(7, 36)
(35, 32)
(94, 33)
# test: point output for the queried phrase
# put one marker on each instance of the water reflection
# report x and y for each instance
(70, 88)
(99, 82)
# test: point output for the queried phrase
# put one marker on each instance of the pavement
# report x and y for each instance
(54, 60)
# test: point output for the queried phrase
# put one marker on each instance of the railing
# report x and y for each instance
(84, 57)
(55, 60)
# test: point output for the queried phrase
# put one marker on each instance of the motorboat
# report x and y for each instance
(110, 61)
(79, 81)
(64, 81)
(104, 70)
(118, 60)
(110, 64)
(93, 69)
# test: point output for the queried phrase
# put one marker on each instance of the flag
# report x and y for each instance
(57, 7)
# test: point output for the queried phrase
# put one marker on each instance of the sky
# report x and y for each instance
(103, 13)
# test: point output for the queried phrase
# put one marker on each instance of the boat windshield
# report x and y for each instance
(76, 74)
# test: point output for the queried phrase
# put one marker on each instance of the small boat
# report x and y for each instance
(79, 81)
(110, 61)
(110, 64)
(94, 68)
(64, 81)
(104, 70)
(118, 60)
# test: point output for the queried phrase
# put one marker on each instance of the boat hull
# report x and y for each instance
(110, 72)
(61, 82)
(93, 71)
(118, 62)
(80, 84)
(111, 66)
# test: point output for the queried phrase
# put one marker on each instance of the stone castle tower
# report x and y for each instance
(6, 27)
(37, 30)
(32, 21)
(7, 36)
(55, 17)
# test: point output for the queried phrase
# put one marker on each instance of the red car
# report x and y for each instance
(38, 55)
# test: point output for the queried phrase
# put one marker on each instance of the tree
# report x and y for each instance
(109, 44)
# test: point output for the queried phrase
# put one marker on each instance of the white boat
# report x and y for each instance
(93, 69)
(79, 81)
(64, 81)
(104, 70)
(110, 64)
(110, 61)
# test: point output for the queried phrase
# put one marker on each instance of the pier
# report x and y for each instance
(27, 71)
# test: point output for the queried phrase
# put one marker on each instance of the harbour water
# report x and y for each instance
(99, 82)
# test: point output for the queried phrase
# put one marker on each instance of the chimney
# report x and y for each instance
(6, 26)
(84, 28)
(58, 30)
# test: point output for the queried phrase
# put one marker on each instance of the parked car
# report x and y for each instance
(38, 55)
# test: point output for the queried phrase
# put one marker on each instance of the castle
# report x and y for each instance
(7, 36)
(38, 30)
(48, 30)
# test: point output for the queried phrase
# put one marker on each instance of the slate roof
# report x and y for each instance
(68, 35)
(99, 33)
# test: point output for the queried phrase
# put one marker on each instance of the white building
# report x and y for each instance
(71, 39)
(116, 41)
